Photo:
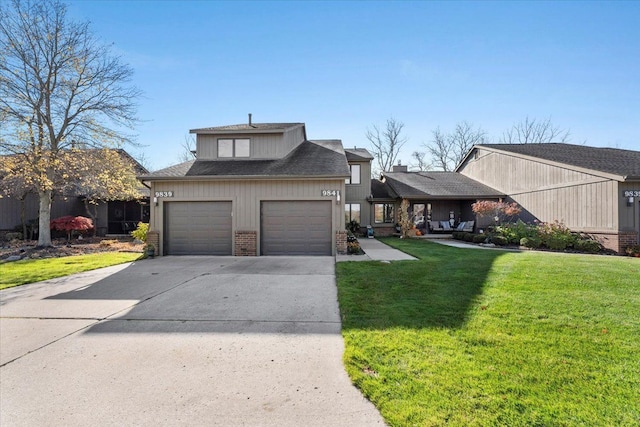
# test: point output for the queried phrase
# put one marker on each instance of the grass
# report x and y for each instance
(29, 271)
(470, 337)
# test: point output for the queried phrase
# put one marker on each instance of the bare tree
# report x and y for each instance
(533, 131)
(386, 144)
(188, 149)
(58, 85)
(448, 150)
(420, 163)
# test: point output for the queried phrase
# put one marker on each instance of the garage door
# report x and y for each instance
(295, 228)
(197, 228)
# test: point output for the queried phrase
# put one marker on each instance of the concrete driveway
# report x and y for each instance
(179, 341)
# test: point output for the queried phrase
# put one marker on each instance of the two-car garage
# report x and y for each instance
(286, 228)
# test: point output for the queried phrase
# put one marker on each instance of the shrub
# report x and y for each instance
(71, 223)
(458, 235)
(515, 232)
(468, 237)
(353, 247)
(353, 226)
(633, 250)
(531, 242)
(499, 211)
(13, 236)
(479, 238)
(555, 235)
(140, 233)
(499, 240)
(587, 245)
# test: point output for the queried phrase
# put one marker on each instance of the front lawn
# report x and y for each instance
(29, 271)
(471, 337)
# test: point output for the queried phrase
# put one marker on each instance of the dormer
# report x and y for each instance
(250, 141)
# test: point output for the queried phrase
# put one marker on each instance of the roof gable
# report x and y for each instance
(358, 154)
(624, 163)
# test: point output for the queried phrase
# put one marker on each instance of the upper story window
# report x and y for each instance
(239, 147)
(355, 175)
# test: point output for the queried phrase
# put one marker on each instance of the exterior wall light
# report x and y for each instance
(630, 200)
(155, 201)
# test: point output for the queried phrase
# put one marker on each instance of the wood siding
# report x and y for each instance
(10, 209)
(246, 197)
(583, 201)
(358, 193)
(629, 215)
(263, 146)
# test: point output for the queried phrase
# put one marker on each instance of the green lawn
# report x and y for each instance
(470, 337)
(28, 271)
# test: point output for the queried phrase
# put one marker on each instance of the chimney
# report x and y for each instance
(399, 168)
(249, 119)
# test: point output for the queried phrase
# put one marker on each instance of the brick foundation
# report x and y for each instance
(341, 242)
(153, 238)
(616, 242)
(246, 243)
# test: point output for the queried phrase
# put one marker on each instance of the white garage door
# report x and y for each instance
(197, 228)
(295, 228)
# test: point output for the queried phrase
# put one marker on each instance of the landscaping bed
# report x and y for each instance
(26, 249)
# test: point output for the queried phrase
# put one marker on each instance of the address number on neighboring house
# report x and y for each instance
(330, 193)
(164, 194)
(632, 193)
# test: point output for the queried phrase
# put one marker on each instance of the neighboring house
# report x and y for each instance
(115, 217)
(433, 196)
(592, 190)
(253, 189)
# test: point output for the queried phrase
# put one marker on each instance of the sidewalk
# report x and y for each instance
(375, 251)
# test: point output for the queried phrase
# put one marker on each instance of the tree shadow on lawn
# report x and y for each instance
(435, 292)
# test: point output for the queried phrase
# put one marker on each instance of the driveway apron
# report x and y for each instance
(196, 341)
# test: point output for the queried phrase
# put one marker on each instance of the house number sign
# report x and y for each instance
(164, 194)
(330, 193)
(632, 193)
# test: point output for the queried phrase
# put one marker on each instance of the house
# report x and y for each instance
(433, 196)
(253, 189)
(116, 217)
(358, 186)
(592, 190)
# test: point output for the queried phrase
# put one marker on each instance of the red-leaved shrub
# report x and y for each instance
(71, 223)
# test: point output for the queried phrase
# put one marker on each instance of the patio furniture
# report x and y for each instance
(434, 226)
(466, 226)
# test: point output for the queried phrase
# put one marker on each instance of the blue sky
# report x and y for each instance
(342, 67)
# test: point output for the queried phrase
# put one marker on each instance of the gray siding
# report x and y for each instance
(629, 215)
(246, 197)
(263, 146)
(583, 201)
(358, 193)
(10, 209)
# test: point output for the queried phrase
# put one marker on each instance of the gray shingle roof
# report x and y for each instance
(610, 160)
(254, 127)
(318, 158)
(380, 190)
(437, 185)
(358, 154)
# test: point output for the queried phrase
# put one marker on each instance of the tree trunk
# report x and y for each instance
(44, 231)
(93, 215)
(22, 218)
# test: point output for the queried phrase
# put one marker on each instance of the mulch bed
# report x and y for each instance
(26, 249)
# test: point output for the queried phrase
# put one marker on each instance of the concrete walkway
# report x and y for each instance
(466, 245)
(375, 250)
(193, 341)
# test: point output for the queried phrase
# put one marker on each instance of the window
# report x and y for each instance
(234, 148)
(355, 175)
(352, 212)
(384, 213)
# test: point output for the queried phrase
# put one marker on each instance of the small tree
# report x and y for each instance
(70, 224)
(498, 211)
